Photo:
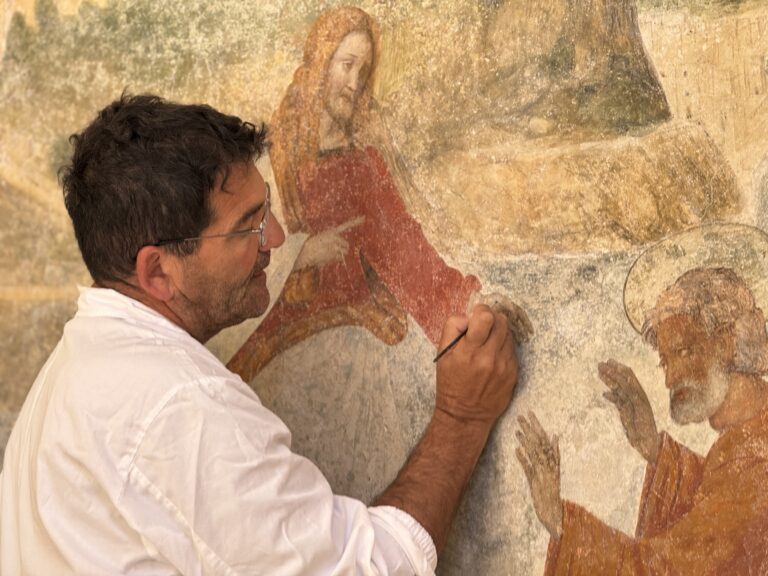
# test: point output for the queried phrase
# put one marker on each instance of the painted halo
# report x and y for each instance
(742, 248)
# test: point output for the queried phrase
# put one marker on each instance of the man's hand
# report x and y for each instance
(517, 319)
(475, 379)
(327, 246)
(634, 408)
(540, 457)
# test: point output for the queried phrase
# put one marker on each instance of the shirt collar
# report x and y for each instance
(106, 302)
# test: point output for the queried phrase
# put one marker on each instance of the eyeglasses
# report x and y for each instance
(261, 229)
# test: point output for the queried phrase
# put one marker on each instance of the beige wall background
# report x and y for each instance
(545, 206)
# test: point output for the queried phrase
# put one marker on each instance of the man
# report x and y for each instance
(697, 516)
(138, 452)
(366, 261)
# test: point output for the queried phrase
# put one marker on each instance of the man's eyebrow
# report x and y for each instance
(247, 216)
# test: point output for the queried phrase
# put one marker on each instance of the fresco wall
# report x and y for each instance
(540, 150)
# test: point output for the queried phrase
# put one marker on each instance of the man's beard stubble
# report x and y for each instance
(216, 304)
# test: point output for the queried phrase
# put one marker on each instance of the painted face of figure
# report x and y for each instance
(696, 367)
(224, 281)
(347, 75)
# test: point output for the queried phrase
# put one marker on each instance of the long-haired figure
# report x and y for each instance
(366, 261)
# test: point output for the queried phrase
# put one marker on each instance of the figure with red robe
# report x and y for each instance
(366, 261)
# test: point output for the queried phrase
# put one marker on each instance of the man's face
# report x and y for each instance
(224, 282)
(347, 75)
(696, 367)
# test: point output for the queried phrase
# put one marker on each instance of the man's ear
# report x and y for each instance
(154, 273)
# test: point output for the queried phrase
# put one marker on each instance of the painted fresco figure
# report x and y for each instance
(698, 515)
(366, 261)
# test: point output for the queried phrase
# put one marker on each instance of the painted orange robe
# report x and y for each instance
(697, 517)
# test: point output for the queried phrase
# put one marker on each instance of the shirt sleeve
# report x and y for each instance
(214, 488)
(409, 546)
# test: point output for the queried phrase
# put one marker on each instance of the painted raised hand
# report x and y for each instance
(540, 457)
(626, 393)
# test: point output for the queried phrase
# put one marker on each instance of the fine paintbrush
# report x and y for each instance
(450, 345)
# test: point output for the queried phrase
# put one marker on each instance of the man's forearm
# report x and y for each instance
(430, 485)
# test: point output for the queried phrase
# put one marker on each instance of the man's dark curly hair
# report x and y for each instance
(144, 171)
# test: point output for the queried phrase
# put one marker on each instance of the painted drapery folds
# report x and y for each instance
(581, 157)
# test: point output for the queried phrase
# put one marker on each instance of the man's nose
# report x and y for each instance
(353, 80)
(274, 234)
(671, 375)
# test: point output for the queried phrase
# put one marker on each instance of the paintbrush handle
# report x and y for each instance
(451, 344)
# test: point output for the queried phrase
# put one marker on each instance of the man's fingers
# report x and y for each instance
(475, 298)
(508, 350)
(480, 325)
(499, 332)
(452, 328)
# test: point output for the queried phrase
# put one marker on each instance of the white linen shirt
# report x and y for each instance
(137, 452)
